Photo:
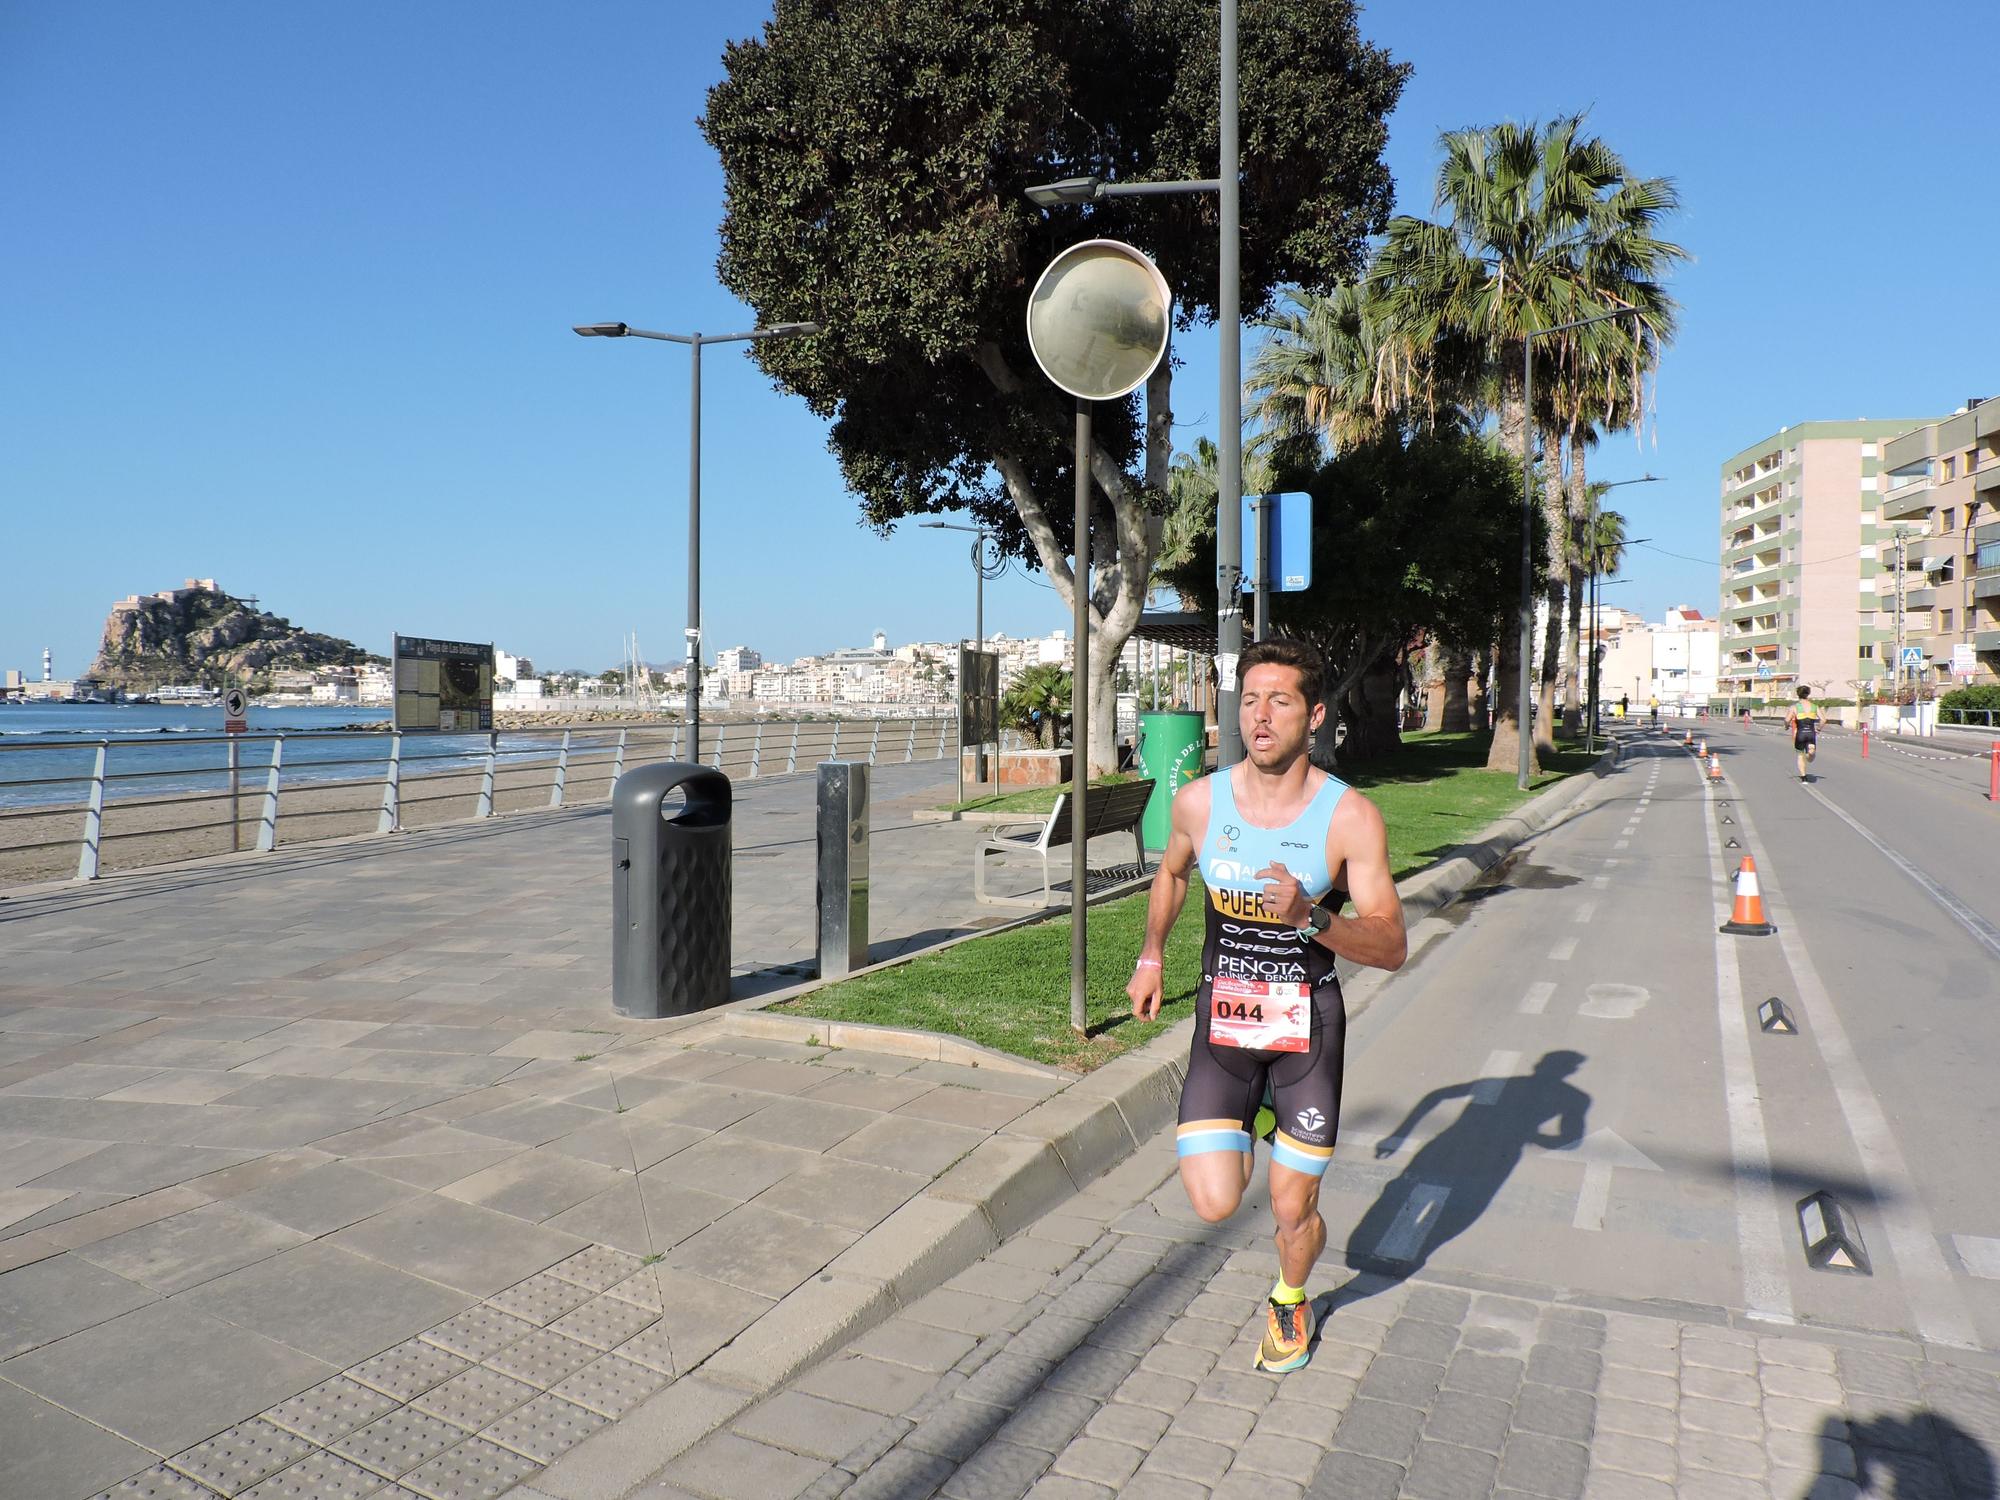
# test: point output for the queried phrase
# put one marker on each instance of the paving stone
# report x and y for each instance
(1100, 1461)
(1205, 1333)
(478, 1332)
(409, 1369)
(1788, 1414)
(1727, 1455)
(1438, 1304)
(1413, 1382)
(475, 1398)
(1484, 1374)
(1305, 1420)
(1420, 1339)
(1166, 1393)
(395, 1444)
(1571, 1335)
(1379, 1429)
(543, 1358)
(1148, 1485)
(1800, 1450)
(1066, 1487)
(540, 1299)
(1140, 1426)
(611, 1386)
(1051, 1336)
(1444, 1471)
(1862, 1372)
(1284, 1458)
(1092, 1371)
(961, 1312)
(332, 1409)
(1544, 1466)
(1048, 1420)
(319, 1476)
(804, 1424)
(1797, 1353)
(158, 1483)
(1633, 1455)
(998, 1471)
(1575, 1368)
(544, 1429)
(1469, 1421)
(1720, 1385)
(905, 1474)
(1248, 1484)
(730, 1467)
(1699, 1415)
(1189, 1458)
(1611, 1484)
(1356, 1476)
(1638, 1385)
(956, 1429)
(1656, 1422)
(1214, 1421)
(604, 1322)
(1649, 1357)
(234, 1460)
(1556, 1412)
(1698, 1352)
(873, 1384)
(1701, 1484)
(474, 1470)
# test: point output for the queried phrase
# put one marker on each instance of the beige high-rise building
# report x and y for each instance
(1941, 490)
(1801, 599)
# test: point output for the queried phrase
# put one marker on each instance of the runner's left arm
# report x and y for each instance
(1374, 935)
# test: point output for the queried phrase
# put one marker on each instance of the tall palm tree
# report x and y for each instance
(1542, 226)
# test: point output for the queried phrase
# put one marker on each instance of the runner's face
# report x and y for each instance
(1274, 716)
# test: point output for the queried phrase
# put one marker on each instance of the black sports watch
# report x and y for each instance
(1318, 922)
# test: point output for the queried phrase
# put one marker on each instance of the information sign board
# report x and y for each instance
(978, 696)
(1288, 570)
(446, 686)
(1964, 660)
(235, 711)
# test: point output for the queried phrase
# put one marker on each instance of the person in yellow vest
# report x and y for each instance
(1803, 721)
(1653, 706)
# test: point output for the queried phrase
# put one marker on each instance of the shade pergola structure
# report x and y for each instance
(1184, 630)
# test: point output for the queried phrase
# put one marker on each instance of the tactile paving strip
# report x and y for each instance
(399, 1442)
(653, 1348)
(545, 1429)
(540, 1299)
(330, 1410)
(600, 1267)
(475, 1398)
(157, 1483)
(323, 1476)
(642, 1287)
(409, 1369)
(611, 1386)
(478, 1332)
(543, 1358)
(238, 1457)
(605, 1322)
(474, 1470)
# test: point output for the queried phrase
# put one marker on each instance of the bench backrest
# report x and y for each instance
(1108, 809)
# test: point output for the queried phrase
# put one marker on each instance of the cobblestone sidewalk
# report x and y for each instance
(1107, 1350)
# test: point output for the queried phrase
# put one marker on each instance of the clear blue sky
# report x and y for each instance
(287, 291)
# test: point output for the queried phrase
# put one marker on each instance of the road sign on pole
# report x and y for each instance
(235, 711)
(1913, 658)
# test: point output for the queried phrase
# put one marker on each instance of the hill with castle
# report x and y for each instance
(198, 633)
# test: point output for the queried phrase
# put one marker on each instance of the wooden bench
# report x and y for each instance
(1110, 809)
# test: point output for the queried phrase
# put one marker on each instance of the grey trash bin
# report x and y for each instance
(670, 839)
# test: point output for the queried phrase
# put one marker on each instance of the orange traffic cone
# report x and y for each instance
(1715, 768)
(1747, 920)
(1687, 738)
(1701, 746)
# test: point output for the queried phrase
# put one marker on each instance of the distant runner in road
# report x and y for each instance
(1803, 721)
(1272, 834)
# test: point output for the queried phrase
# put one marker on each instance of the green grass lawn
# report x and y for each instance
(1010, 991)
(1033, 801)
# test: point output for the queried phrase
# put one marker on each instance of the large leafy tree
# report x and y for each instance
(875, 157)
(1541, 226)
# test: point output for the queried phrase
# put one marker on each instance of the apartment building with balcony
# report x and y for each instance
(1800, 523)
(1941, 490)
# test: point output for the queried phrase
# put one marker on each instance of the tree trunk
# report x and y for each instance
(1475, 689)
(1555, 507)
(1455, 715)
(1572, 663)
(1103, 713)
(1434, 672)
(1372, 727)
(1507, 705)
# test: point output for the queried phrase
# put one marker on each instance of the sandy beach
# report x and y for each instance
(163, 830)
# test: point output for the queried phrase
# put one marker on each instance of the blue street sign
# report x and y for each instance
(1767, 671)
(1913, 656)
(1289, 568)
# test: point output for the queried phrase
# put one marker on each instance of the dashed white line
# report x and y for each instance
(1600, 882)
(1585, 911)
(1563, 951)
(1537, 999)
(1499, 1068)
(1622, 844)
(1413, 1221)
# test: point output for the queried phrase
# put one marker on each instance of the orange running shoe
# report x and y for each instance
(1287, 1337)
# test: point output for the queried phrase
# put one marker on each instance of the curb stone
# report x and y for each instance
(1004, 1184)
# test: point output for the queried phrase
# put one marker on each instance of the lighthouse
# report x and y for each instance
(48, 665)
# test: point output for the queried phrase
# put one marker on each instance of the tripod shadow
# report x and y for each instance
(1455, 1175)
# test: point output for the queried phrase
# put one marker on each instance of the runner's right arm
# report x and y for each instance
(1169, 894)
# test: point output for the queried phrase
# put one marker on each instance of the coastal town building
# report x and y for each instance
(1941, 501)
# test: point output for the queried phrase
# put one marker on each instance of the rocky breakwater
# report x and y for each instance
(199, 634)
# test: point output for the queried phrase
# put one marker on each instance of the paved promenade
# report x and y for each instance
(334, 1168)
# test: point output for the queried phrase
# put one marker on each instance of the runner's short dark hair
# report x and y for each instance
(1805, 692)
(1284, 653)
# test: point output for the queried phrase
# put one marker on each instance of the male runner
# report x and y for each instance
(1271, 833)
(1803, 721)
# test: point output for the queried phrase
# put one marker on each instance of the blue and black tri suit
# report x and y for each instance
(1226, 1084)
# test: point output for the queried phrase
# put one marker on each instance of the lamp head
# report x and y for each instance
(1069, 190)
(793, 328)
(603, 330)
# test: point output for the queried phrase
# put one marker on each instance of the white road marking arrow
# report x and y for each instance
(1601, 1151)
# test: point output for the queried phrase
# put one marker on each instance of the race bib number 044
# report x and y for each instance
(1259, 1016)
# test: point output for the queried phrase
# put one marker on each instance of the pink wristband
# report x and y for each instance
(1147, 963)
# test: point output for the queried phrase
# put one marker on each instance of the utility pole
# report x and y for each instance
(1902, 561)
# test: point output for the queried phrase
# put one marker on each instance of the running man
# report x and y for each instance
(1803, 721)
(1272, 835)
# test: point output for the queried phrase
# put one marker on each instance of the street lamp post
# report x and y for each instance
(694, 341)
(1228, 317)
(980, 536)
(1521, 724)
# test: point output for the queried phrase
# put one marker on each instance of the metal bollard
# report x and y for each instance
(843, 867)
(1993, 775)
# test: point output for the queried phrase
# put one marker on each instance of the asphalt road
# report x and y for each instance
(1569, 1087)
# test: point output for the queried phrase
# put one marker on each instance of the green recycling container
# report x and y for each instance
(1170, 752)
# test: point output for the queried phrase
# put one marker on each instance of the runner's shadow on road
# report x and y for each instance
(1455, 1176)
(1901, 1457)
